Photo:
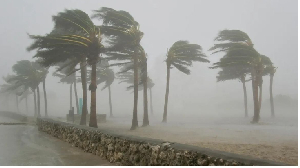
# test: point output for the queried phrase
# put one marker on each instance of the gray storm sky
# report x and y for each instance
(271, 24)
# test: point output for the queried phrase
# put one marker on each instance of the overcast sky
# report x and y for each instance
(271, 24)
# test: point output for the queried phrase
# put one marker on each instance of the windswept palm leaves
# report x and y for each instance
(124, 36)
(240, 52)
(74, 36)
(181, 55)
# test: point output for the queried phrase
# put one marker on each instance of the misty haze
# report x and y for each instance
(211, 74)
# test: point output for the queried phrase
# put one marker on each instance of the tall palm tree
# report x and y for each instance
(236, 73)
(143, 80)
(43, 72)
(124, 35)
(74, 36)
(181, 55)
(240, 52)
(126, 75)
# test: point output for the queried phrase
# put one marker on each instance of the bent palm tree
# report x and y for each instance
(240, 52)
(124, 35)
(74, 36)
(181, 55)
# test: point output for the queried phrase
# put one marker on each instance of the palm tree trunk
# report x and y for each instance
(71, 97)
(167, 94)
(134, 118)
(271, 95)
(255, 96)
(260, 82)
(110, 103)
(76, 97)
(38, 101)
(45, 97)
(93, 88)
(84, 90)
(151, 107)
(146, 118)
(245, 96)
(34, 99)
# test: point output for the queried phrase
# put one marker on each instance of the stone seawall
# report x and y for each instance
(15, 116)
(130, 150)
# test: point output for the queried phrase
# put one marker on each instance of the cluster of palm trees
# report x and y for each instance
(76, 40)
(241, 59)
(25, 81)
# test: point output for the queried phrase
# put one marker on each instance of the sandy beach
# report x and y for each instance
(272, 139)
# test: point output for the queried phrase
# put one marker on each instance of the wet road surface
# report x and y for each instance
(24, 145)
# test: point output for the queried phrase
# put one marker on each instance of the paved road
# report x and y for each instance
(24, 145)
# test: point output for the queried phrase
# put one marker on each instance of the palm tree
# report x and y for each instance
(265, 62)
(25, 95)
(74, 36)
(235, 73)
(107, 76)
(181, 55)
(11, 87)
(126, 75)
(29, 75)
(143, 80)
(43, 72)
(67, 74)
(240, 52)
(145, 88)
(124, 35)
(150, 86)
(271, 70)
